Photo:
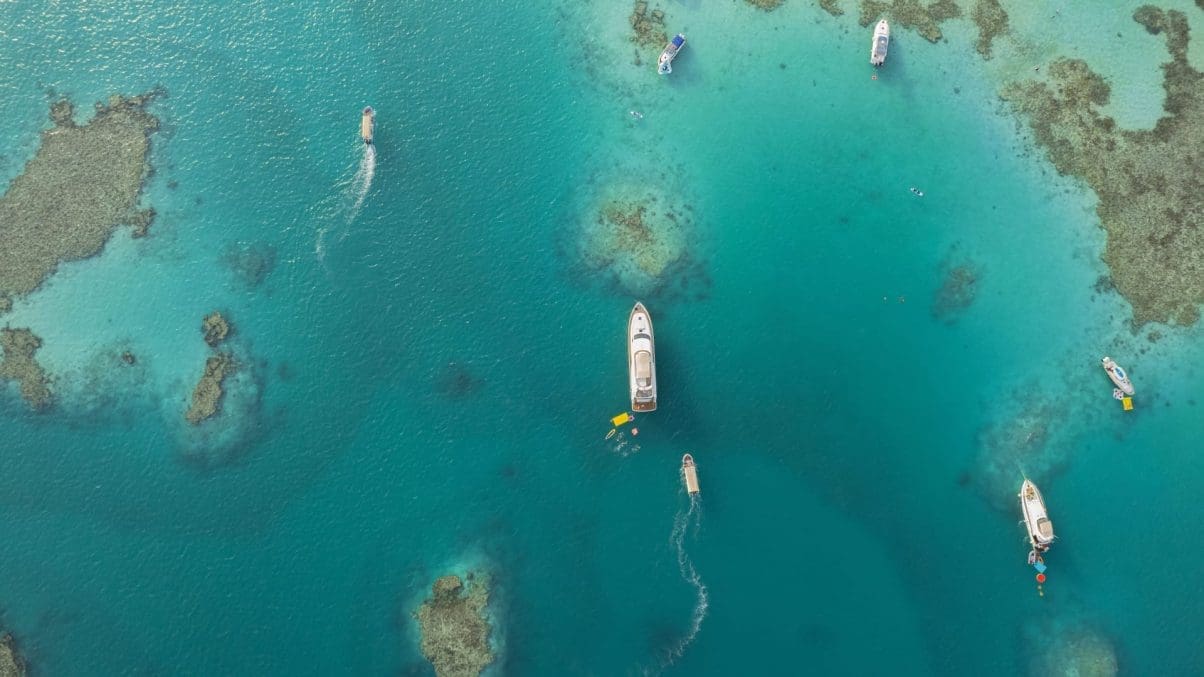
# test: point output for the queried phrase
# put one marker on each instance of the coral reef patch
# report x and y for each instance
(992, 21)
(959, 287)
(1026, 440)
(207, 396)
(647, 27)
(1069, 646)
(18, 364)
(1151, 199)
(80, 186)
(251, 263)
(215, 328)
(766, 5)
(11, 663)
(926, 19)
(455, 629)
(637, 236)
(456, 381)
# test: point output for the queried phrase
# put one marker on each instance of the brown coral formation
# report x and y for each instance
(81, 185)
(992, 21)
(207, 396)
(11, 663)
(1151, 197)
(455, 631)
(926, 19)
(215, 328)
(18, 364)
(637, 236)
(957, 292)
(648, 28)
(766, 5)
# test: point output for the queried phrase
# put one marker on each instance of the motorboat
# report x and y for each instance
(1040, 529)
(880, 44)
(664, 65)
(368, 124)
(1118, 376)
(641, 359)
(690, 474)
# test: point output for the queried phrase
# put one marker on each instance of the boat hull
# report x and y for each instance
(880, 44)
(641, 359)
(689, 474)
(1036, 518)
(368, 125)
(1118, 375)
(664, 65)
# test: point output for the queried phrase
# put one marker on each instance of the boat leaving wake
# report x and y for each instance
(350, 200)
(677, 538)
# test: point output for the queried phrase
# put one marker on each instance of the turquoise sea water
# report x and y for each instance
(432, 370)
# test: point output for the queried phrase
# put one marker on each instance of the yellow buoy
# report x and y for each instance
(1128, 403)
(621, 419)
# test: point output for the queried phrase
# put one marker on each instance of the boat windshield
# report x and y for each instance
(1120, 373)
(880, 47)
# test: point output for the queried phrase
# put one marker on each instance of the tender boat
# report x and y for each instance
(880, 44)
(368, 124)
(1118, 376)
(690, 474)
(664, 65)
(641, 360)
(1040, 529)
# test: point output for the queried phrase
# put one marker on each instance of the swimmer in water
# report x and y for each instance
(917, 192)
(637, 115)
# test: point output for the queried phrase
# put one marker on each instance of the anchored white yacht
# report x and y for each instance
(664, 65)
(1118, 376)
(689, 473)
(1040, 529)
(641, 360)
(880, 44)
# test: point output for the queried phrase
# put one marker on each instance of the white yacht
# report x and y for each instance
(881, 42)
(368, 124)
(1040, 529)
(1118, 375)
(641, 360)
(690, 474)
(664, 65)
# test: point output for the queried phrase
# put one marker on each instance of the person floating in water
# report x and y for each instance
(637, 115)
(916, 191)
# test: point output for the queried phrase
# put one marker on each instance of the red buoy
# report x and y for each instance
(1040, 578)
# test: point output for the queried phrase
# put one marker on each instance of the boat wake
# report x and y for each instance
(682, 522)
(348, 203)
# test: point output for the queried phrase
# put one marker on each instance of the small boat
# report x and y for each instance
(368, 124)
(690, 473)
(641, 360)
(1040, 529)
(664, 65)
(880, 44)
(1118, 376)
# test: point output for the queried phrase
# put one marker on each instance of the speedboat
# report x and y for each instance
(1040, 529)
(690, 474)
(1118, 376)
(664, 65)
(881, 42)
(641, 360)
(368, 124)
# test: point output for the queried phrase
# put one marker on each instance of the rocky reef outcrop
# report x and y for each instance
(647, 27)
(81, 185)
(215, 328)
(1150, 207)
(11, 663)
(18, 364)
(455, 629)
(959, 287)
(207, 396)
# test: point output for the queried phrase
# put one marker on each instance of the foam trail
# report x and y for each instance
(362, 181)
(681, 523)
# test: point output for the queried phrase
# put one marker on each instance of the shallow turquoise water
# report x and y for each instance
(848, 521)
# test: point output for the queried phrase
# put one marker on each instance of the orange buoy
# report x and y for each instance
(1040, 578)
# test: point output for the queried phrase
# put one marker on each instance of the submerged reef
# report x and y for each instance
(456, 381)
(18, 364)
(647, 28)
(455, 630)
(766, 5)
(1026, 441)
(207, 396)
(1151, 194)
(251, 263)
(11, 663)
(215, 328)
(992, 21)
(81, 185)
(926, 19)
(959, 287)
(1058, 646)
(638, 237)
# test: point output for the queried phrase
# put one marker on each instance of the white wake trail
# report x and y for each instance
(362, 182)
(681, 523)
(337, 216)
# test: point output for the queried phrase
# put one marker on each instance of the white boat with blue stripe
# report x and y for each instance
(1118, 376)
(664, 65)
